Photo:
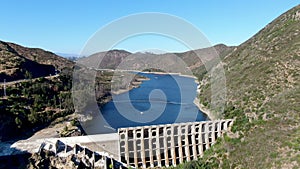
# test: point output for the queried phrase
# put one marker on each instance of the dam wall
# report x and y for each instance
(169, 144)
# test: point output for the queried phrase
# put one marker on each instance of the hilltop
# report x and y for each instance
(263, 95)
(18, 62)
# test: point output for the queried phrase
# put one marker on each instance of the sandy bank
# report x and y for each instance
(134, 84)
(164, 73)
(203, 109)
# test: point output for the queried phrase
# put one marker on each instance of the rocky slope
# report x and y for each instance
(263, 95)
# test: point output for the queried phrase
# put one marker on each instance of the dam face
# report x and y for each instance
(138, 147)
(169, 144)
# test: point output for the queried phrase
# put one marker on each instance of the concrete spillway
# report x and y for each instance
(170, 144)
(139, 147)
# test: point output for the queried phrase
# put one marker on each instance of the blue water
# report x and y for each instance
(163, 99)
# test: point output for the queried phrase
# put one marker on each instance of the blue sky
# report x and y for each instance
(65, 26)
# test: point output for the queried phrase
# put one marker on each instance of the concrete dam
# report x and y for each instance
(170, 144)
(135, 147)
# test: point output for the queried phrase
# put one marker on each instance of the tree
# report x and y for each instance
(33, 117)
(18, 122)
(28, 75)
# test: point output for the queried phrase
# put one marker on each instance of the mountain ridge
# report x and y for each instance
(18, 62)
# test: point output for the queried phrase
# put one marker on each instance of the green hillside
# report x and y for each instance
(263, 95)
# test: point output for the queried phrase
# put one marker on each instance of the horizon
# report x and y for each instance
(153, 51)
(62, 27)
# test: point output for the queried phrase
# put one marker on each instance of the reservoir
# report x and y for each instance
(163, 99)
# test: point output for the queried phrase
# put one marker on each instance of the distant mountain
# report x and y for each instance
(263, 95)
(193, 59)
(18, 62)
(72, 57)
(109, 59)
(66, 55)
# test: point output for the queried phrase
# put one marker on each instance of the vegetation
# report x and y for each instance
(263, 92)
(34, 104)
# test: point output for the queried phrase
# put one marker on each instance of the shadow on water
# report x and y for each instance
(16, 160)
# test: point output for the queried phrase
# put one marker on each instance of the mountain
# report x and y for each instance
(263, 95)
(195, 59)
(109, 59)
(122, 59)
(190, 57)
(18, 62)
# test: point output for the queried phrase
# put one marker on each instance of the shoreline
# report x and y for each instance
(165, 73)
(200, 106)
(203, 109)
(121, 91)
(133, 85)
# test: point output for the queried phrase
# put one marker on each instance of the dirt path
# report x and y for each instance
(53, 131)
(26, 80)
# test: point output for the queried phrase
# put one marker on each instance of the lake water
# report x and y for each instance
(163, 99)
